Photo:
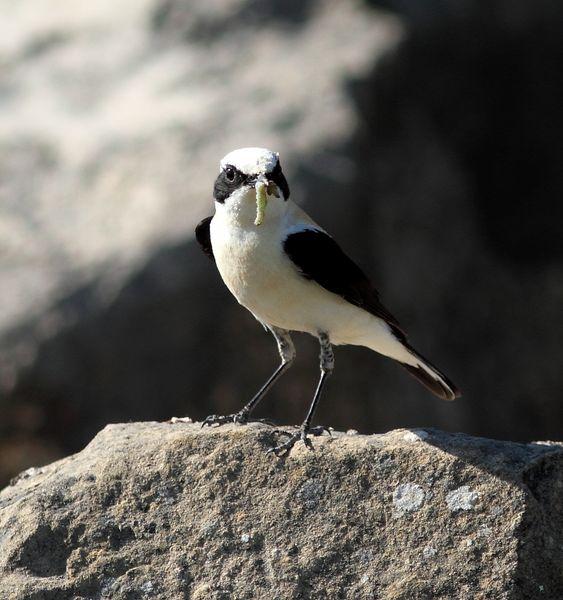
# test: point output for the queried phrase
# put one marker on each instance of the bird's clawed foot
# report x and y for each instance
(239, 417)
(242, 417)
(284, 448)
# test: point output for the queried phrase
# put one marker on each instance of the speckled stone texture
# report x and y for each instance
(158, 510)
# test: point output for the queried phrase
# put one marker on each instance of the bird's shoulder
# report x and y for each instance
(203, 236)
(318, 257)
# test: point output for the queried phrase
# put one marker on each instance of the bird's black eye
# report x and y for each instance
(230, 173)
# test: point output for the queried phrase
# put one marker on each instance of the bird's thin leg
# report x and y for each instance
(327, 366)
(287, 353)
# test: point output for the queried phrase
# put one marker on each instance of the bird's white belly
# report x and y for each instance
(264, 280)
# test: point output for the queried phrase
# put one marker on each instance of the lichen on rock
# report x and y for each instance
(408, 497)
(462, 498)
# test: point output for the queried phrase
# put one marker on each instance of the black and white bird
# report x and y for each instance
(292, 276)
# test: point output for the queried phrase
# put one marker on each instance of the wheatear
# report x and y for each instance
(292, 276)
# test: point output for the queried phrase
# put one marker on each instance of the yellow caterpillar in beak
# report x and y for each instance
(262, 191)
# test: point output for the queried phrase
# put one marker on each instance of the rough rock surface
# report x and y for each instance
(154, 510)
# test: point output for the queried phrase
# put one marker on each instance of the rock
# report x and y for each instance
(154, 510)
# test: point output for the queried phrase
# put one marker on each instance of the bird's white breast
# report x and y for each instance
(249, 258)
(255, 268)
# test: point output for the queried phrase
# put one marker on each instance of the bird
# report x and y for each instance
(293, 277)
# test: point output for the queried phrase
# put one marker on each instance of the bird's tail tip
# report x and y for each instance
(432, 378)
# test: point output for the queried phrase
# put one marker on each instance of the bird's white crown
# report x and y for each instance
(251, 161)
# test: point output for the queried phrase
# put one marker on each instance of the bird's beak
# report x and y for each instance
(263, 187)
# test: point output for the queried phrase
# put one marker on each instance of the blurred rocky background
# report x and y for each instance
(425, 135)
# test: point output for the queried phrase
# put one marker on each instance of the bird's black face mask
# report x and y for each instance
(230, 179)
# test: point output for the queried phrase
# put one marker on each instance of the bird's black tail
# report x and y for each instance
(431, 377)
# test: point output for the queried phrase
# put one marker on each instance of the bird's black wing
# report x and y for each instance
(319, 258)
(203, 236)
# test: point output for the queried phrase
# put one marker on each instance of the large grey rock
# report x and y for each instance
(153, 510)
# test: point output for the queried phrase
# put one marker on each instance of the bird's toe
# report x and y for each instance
(218, 420)
(319, 430)
(241, 418)
(285, 447)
